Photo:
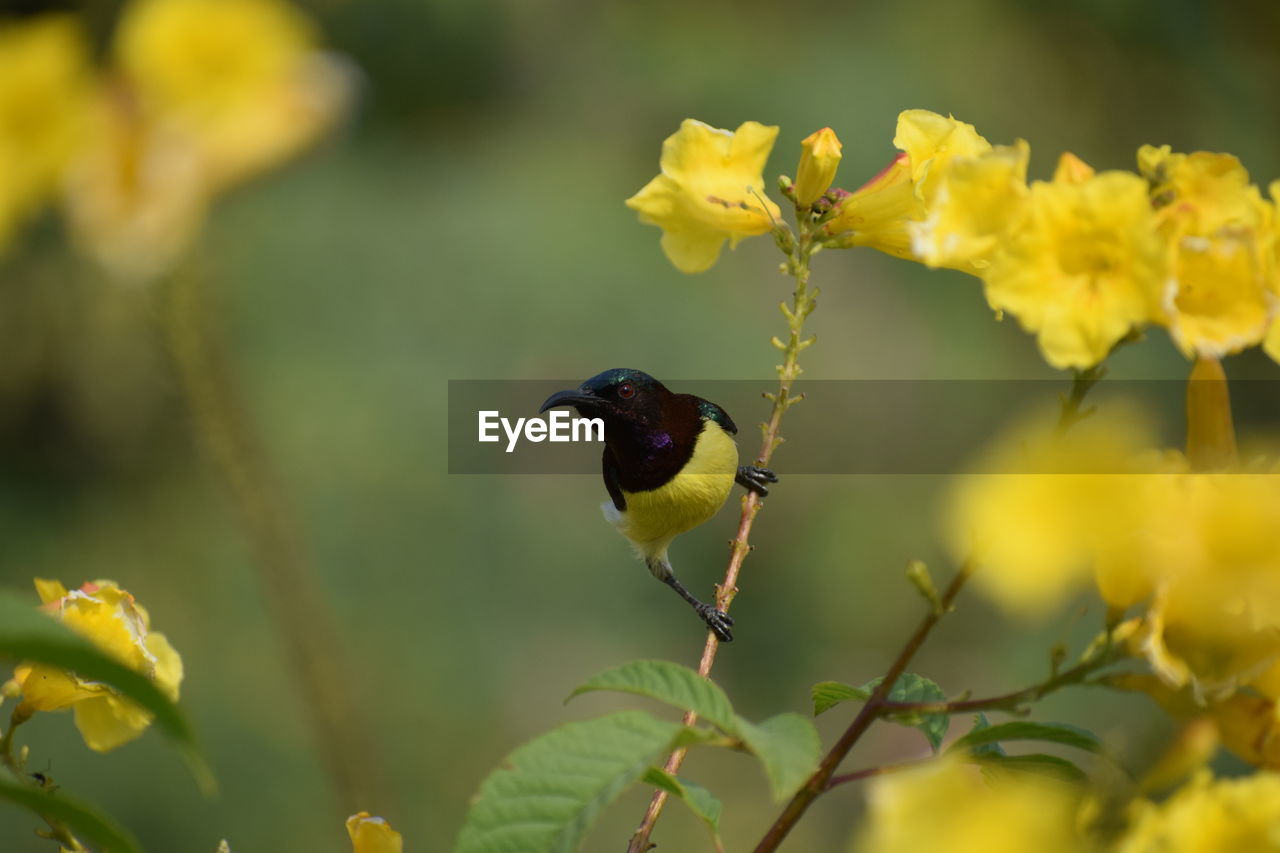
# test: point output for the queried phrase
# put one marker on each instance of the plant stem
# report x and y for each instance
(292, 591)
(821, 778)
(1009, 701)
(802, 305)
(869, 772)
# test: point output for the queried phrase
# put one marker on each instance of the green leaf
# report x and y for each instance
(788, 747)
(916, 688)
(1038, 763)
(828, 694)
(1062, 733)
(85, 822)
(981, 722)
(667, 682)
(699, 800)
(548, 792)
(26, 634)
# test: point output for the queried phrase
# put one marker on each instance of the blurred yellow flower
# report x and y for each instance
(110, 618)
(212, 92)
(882, 212)
(1081, 266)
(372, 835)
(1210, 816)
(45, 82)
(949, 805)
(137, 198)
(819, 159)
(1220, 235)
(1048, 509)
(1213, 539)
(976, 199)
(242, 78)
(711, 189)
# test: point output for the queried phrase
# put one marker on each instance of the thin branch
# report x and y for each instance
(821, 778)
(802, 305)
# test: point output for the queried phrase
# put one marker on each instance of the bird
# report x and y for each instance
(669, 464)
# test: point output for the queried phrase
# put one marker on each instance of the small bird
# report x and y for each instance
(669, 464)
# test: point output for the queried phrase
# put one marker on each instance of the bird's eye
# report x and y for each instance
(626, 390)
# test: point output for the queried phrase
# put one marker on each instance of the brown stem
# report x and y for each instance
(740, 546)
(821, 778)
(313, 651)
(869, 772)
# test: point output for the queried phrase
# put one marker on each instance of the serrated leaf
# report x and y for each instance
(788, 747)
(981, 722)
(670, 683)
(548, 792)
(84, 821)
(26, 634)
(705, 806)
(828, 694)
(916, 688)
(1062, 733)
(1038, 763)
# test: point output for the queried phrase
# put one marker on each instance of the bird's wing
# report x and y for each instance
(711, 412)
(611, 480)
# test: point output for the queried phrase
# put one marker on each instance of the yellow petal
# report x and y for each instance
(372, 835)
(931, 142)
(49, 591)
(108, 721)
(1072, 170)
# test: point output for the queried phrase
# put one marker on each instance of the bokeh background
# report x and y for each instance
(468, 223)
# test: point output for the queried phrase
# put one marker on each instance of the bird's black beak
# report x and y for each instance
(577, 398)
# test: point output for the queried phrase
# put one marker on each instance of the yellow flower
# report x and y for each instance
(45, 81)
(1219, 232)
(372, 835)
(241, 78)
(882, 212)
(977, 197)
(137, 198)
(1214, 541)
(1210, 816)
(948, 805)
(710, 190)
(819, 159)
(1081, 266)
(879, 212)
(1047, 510)
(110, 618)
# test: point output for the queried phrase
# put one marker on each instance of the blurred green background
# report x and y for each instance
(469, 224)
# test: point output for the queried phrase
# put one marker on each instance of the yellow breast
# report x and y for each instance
(655, 517)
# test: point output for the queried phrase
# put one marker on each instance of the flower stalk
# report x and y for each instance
(312, 646)
(798, 253)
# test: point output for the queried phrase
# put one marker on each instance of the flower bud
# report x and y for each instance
(818, 162)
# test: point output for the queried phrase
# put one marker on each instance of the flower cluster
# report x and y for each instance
(113, 621)
(952, 805)
(199, 96)
(1081, 260)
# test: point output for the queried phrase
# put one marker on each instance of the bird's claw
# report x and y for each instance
(754, 479)
(718, 621)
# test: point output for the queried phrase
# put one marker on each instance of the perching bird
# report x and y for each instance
(669, 464)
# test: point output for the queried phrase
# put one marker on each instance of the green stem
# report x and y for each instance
(1010, 702)
(292, 590)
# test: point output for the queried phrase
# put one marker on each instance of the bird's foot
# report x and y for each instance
(717, 620)
(754, 479)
